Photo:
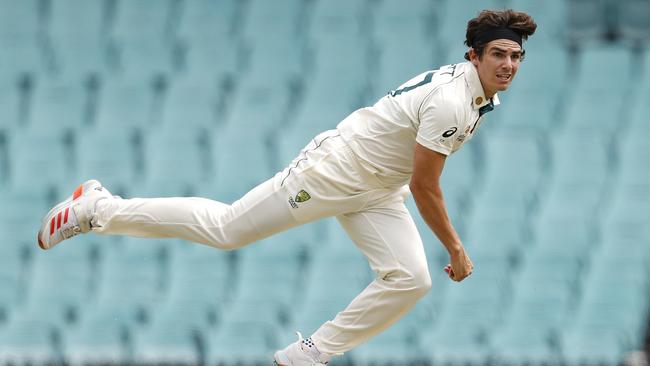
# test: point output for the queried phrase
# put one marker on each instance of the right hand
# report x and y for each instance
(460, 267)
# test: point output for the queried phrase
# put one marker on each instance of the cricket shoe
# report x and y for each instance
(301, 353)
(72, 216)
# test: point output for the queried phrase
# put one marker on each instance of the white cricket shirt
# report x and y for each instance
(440, 109)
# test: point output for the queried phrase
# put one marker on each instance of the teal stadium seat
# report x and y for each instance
(78, 39)
(260, 105)
(260, 278)
(238, 170)
(205, 31)
(279, 19)
(184, 153)
(586, 20)
(201, 282)
(191, 105)
(453, 17)
(544, 71)
(125, 105)
(323, 294)
(59, 106)
(579, 176)
(166, 340)
(207, 19)
(596, 63)
(242, 342)
(10, 111)
(549, 15)
(132, 277)
(141, 37)
(12, 280)
(393, 346)
(19, 212)
(603, 114)
(19, 31)
(101, 337)
(393, 23)
(20, 20)
(43, 152)
(28, 341)
(632, 18)
(110, 156)
(69, 265)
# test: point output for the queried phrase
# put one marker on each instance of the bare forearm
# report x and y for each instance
(431, 204)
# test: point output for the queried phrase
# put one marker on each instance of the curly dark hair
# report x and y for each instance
(522, 23)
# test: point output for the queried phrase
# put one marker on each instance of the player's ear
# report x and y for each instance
(473, 56)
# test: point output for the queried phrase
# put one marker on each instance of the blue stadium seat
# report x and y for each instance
(58, 106)
(144, 20)
(243, 342)
(595, 64)
(278, 19)
(453, 19)
(79, 60)
(515, 108)
(102, 336)
(414, 20)
(207, 19)
(10, 112)
(394, 345)
(176, 162)
(43, 153)
(28, 341)
(78, 38)
(20, 20)
(200, 278)
(632, 15)
(110, 156)
(586, 20)
(321, 302)
(62, 279)
(260, 278)
(166, 340)
(12, 280)
(260, 105)
(206, 30)
(132, 277)
(191, 105)
(549, 15)
(125, 105)
(544, 70)
(87, 21)
(231, 180)
(333, 19)
(20, 215)
(581, 347)
(393, 70)
(524, 345)
(21, 59)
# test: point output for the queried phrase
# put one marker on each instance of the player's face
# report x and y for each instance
(498, 65)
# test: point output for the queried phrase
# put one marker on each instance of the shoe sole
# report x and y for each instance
(78, 192)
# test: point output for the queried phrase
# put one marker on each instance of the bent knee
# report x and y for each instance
(415, 282)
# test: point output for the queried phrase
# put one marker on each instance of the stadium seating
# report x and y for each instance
(212, 97)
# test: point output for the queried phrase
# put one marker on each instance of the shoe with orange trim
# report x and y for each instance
(72, 216)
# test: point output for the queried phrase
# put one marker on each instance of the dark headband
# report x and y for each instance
(490, 35)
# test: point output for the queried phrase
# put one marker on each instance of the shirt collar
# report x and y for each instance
(476, 89)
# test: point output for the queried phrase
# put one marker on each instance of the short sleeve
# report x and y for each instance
(439, 124)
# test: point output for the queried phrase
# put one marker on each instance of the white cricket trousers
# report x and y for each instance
(334, 183)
